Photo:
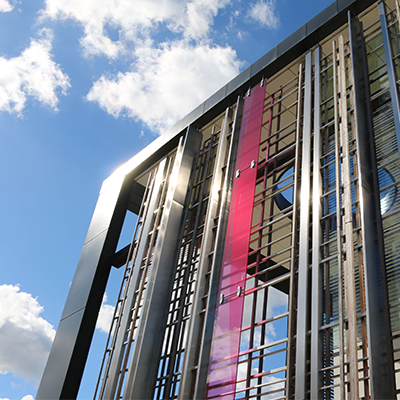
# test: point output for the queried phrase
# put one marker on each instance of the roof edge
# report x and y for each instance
(304, 38)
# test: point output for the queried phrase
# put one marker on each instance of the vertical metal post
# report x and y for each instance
(378, 324)
(119, 353)
(200, 383)
(315, 359)
(302, 306)
(338, 223)
(290, 356)
(143, 368)
(394, 92)
(349, 279)
(195, 323)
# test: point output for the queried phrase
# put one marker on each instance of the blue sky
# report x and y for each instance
(84, 85)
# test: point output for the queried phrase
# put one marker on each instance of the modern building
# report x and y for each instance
(265, 263)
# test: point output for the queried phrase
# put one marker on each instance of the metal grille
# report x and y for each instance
(343, 310)
(131, 305)
(265, 337)
(181, 300)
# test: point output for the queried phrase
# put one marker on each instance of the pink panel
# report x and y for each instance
(226, 339)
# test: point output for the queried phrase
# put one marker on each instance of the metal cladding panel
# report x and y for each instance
(321, 18)
(292, 40)
(215, 98)
(85, 275)
(234, 265)
(57, 368)
(105, 209)
(266, 59)
(239, 80)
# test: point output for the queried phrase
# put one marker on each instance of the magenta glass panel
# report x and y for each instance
(226, 338)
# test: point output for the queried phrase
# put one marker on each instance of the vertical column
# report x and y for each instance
(349, 276)
(143, 369)
(302, 306)
(67, 358)
(200, 383)
(394, 92)
(378, 325)
(195, 331)
(339, 228)
(315, 361)
(290, 356)
(127, 307)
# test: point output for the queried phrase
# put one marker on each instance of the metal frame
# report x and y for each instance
(143, 369)
(303, 270)
(125, 333)
(196, 324)
(66, 362)
(291, 354)
(315, 356)
(339, 228)
(200, 384)
(378, 325)
(348, 263)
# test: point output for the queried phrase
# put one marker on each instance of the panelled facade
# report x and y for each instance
(265, 261)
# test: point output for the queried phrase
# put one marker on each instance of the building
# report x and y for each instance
(265, 263)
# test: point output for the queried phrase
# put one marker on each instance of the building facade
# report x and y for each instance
(265, 262)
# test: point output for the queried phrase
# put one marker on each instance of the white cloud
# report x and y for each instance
(166, 80)
(28, 397)
(263, 12)
(105, 316)
(5, 6)
(166, 83)
(25, 338)
(134, 21)
(33, 74)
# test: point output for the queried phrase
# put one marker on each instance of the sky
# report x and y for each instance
(84, 86)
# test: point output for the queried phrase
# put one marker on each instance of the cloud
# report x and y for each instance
(134, 21)
(25, 338)
(105, 316)
(28, 397)
(5, 6)
(33, 74)
(263, 12)
(167, 79)
(166, 83)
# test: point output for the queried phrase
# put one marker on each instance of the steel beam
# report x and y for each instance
(291, 350)
(377, 309)
(195, 331)
(148, 345)
(339, 228)
(347, 218)
(128, 304)
(316, 346)
(303, 275)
